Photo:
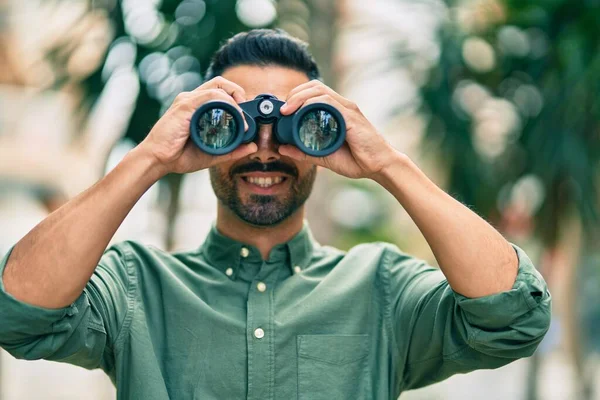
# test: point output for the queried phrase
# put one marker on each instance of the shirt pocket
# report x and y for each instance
(332, 367)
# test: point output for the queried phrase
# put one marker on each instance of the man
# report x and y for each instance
(260, 310)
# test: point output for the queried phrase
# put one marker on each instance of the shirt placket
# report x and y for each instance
(260, 334)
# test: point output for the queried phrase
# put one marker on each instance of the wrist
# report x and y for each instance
(396, 163)
(152, 169)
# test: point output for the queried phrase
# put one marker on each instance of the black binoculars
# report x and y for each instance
(317, 129)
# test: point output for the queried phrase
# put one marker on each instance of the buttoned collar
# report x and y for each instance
(229, 255)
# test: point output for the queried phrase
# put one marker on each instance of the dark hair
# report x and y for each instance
(263, 47)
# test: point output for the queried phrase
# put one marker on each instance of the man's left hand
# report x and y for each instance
(365, 152)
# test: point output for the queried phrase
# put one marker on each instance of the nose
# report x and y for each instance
(267, 145)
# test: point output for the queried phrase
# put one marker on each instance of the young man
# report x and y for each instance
(260, 310)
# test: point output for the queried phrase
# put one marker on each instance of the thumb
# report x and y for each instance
(291, 151)
(240, 152)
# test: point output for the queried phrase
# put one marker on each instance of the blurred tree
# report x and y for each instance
(514, 109)
(499, 110)
(171, 42)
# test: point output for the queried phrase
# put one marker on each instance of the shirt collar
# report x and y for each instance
(228, 254)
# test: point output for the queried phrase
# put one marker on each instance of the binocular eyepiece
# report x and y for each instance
(317, 129)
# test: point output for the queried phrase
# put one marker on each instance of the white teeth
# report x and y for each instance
(264, 182)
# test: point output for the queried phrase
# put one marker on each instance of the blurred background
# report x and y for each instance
(498, 101)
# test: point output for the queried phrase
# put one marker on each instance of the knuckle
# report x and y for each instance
(220, 80)
(317, 94)
(216, 93)
(183, 105)
(214, 83)
(181, 98)
(325, 98)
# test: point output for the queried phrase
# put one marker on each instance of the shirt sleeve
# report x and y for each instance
(83, 333)
(439, 333)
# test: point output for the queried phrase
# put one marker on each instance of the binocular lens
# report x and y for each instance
(217, 128)
(318, 130)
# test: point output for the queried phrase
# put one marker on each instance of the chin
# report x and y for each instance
(270, 213)
(261, 220)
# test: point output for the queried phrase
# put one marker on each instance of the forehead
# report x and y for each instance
(275, 80)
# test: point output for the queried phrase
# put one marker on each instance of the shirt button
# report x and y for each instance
(229, 271)
(297, 269)
(244, 252)
(259, 333)
(261, 286)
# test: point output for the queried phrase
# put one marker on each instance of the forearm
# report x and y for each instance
(474, 257)
(51, 265)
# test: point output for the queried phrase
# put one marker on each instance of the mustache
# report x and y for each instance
(274, 166)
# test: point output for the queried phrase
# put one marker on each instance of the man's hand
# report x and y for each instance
(168, 142)
(365, 152)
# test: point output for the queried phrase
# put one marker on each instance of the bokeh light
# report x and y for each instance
(256, 13)
(478, 54)
(190, 12)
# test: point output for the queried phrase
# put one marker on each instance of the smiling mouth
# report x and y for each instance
(264, 182)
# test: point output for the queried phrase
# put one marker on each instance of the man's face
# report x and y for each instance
(264, 188)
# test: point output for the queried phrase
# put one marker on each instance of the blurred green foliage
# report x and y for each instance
(199, 40)
(543, 57)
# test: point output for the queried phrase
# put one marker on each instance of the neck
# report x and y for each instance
(264, 238)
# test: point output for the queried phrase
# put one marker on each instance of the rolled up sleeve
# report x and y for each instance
(439, 333)
(82, 333)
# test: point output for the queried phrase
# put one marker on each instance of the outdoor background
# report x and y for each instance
(498, 101)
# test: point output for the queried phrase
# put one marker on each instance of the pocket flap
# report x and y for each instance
(333, 349)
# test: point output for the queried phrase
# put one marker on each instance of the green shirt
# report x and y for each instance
(311, 322)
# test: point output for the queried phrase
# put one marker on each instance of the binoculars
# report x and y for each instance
(317, 129)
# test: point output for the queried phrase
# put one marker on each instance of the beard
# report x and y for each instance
(262, 210)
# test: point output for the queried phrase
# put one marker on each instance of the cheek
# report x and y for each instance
(304, 170)
(305, 179)
(219, 176)
(223, 170)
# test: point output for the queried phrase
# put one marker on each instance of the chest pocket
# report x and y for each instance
(332, 367)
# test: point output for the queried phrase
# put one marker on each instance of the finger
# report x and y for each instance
(295, 153)
(241, 151)
(318, 83)
(196, 99)
(299, 99)
(232, 89)
(306, 85)
(327, 99)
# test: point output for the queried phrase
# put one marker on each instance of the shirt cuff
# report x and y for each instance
(20, 319)
(501, 309)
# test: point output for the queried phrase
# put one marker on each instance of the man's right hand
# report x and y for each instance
(168, 142)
